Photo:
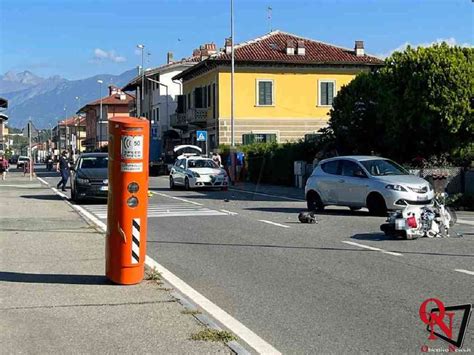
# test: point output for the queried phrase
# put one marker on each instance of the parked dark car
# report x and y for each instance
(13, 159)
(89, 177)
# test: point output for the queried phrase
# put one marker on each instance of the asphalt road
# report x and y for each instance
(306, 288)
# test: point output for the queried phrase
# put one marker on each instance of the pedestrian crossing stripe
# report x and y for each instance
(135, 240)
(165, 210)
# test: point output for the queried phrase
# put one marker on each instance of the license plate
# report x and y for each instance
(104, 188)
(421, 198)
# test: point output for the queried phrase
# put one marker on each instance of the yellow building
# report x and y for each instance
(284, 89)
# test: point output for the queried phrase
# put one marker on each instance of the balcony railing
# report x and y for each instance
(178, 120)
(197, 115)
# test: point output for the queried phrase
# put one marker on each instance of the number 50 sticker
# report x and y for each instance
(132, 147)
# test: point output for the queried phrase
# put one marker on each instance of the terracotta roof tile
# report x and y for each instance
(272, 48)
(72, 121)
(113, 100)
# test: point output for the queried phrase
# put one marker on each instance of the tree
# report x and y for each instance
(418, 104)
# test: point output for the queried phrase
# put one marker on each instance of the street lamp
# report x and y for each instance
(100, 114)
(77, 125)
(142, 47)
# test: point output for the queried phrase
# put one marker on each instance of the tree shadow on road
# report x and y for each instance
(54, 278)
(256, 246)
(376, 237)
(43, 197)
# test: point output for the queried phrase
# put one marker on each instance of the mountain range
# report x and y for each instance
(47, 100)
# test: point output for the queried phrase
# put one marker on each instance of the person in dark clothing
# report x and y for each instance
(63, 168)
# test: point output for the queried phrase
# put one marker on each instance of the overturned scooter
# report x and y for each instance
(421, 221)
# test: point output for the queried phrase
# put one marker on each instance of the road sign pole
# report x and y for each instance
(31, 151)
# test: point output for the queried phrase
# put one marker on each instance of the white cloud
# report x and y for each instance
(101, 55)
(451, 41)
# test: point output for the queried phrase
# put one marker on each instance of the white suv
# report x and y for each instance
(193, 171)
(365, 181)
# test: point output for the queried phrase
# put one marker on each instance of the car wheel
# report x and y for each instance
(172, 185)
(376, 205)
(186, 184)
(313, 201)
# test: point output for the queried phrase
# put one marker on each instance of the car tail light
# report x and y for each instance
(411, 222)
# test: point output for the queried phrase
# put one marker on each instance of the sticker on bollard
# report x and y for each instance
(132, 147)
(131, 167)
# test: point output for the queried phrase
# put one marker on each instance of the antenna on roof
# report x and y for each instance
(269, 18)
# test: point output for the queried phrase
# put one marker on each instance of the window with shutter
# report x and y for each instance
(265, 93)
(209, 96)
(204, 97)
(198, 98)
(326, 92)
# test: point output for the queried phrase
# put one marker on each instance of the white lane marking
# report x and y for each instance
(463, 221)
(43, 181)
(176, 198)
(465, 271)
(229, 322)
(230, 212)
(236, 327)
(372, 248)
(268, 195)
(273, 223)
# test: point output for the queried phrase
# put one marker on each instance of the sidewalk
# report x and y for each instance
(55, 297)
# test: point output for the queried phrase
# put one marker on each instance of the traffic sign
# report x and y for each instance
(201, 136)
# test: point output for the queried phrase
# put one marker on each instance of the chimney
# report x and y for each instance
(290, 47)
(359, 48)
(169, 57)
(300, 50)
(208, 48)
(228, 45)
(113, 90)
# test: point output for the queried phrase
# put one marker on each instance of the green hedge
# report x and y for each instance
(272, 163)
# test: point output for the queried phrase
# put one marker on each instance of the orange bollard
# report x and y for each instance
(125, 248)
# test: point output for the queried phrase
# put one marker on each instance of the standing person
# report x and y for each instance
(63, 168)
(3, 166)
(217, 159)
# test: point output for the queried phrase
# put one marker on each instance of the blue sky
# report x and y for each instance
(81, 38)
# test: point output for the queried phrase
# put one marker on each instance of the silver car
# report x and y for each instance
(365, 181)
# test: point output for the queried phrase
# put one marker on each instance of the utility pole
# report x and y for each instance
(142, 89)
(30, 132)
(232, 70)
(100, 114)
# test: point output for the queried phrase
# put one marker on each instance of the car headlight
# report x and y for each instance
(430, 187)
(82, 181)
(395, 187)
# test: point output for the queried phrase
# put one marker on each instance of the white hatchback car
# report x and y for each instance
(365, 181)
(193, 171)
